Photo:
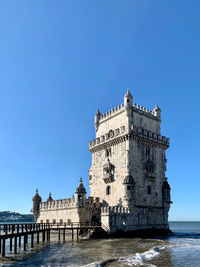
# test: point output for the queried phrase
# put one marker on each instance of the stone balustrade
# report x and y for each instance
(137, 131)
(58, 204)
(67, 203)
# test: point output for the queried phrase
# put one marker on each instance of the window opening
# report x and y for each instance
(149, 190)
(108, 190)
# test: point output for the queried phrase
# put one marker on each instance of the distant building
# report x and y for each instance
(128, 187)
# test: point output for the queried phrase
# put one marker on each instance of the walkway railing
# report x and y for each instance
(20, 232)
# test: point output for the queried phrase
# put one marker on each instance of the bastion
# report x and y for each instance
(129, 192)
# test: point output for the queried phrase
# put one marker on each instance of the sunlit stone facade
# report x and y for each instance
(128, 187)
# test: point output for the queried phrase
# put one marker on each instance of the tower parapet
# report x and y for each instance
(155, 114)
(135, 132)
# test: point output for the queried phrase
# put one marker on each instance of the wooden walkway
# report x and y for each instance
(19, 233)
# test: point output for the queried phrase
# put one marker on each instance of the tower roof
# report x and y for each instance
(50, 197)
(157, 107)
(37, 197)
(128, 93)
(98, 112)
(80, 189)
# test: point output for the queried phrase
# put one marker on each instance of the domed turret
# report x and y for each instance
(166, 192)
(36, 200)
(80, 194)
(50, 197)
(97, 118)
(128, 99)
(157, 112)
(81, 189)
(129, 185)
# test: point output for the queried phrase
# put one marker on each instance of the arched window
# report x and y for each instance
(149, 190)
(108, 152)
(148, 152)
(149, 166)
(79, 197)
(108, 190)
(166, 191)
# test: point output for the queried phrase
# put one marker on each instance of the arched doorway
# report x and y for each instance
(95, 219)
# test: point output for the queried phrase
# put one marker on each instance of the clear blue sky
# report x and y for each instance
(60, 60)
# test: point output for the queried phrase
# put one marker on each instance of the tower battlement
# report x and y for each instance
(154, 114)
(134, 133)
(120, 108)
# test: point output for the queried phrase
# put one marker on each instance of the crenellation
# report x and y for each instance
(144, 111)
(111, 113)
(137, 131)
(60, 203)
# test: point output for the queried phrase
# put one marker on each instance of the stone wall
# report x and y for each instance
(116, 219)
(67, 211)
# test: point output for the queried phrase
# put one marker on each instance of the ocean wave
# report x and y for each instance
(141, 258)
(136, 259)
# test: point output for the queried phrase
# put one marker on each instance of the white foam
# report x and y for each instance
(141, 258)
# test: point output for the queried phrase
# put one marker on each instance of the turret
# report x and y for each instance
(128, 100)
(36, 200)
(80, 194)
(157, 112)
(129, 186)
(97, 118)
(50, 197)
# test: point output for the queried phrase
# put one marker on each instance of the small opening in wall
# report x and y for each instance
(127, 100)
(108, 190)
(54, 221)
(149, 190)
(147, 152)
(128, 187)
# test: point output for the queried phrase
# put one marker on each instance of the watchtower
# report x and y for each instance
(129, 161)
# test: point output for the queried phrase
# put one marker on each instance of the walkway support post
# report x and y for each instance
(15, 246)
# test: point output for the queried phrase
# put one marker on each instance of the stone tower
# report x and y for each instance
(129, 162)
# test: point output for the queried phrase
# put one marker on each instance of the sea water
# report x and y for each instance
(180, 249)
